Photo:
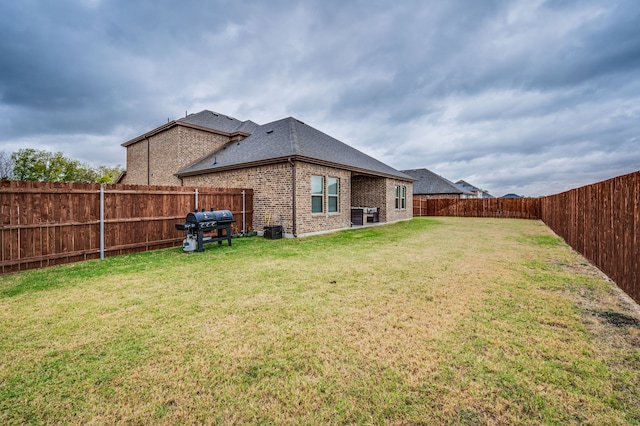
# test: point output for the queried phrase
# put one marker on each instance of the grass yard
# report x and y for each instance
(447, 321)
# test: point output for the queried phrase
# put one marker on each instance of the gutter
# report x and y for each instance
(293, 204)
(148, 161)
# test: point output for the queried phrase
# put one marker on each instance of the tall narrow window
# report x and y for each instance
(317, 194)
(401, 197)
(333, 189)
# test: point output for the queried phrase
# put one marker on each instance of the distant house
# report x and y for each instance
(432, 185)
(511, 196)
(302, 178)
(477, 192)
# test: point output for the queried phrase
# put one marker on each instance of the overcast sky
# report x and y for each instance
(533, 97)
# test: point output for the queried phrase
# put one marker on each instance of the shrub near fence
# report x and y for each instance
(514, 208)
(44, 224)
(602, 222)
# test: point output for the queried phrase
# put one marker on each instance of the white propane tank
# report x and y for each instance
(189, 244)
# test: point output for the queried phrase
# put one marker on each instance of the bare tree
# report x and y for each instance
(6, 165)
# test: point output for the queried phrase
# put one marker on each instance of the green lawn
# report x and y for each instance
(432, 321)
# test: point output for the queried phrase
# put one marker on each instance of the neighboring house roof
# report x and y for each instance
(204, 120)
(511, 196)
(285, 139)
(468, 187)
(431, 183)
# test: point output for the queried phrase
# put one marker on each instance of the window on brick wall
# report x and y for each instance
(401, 196)
(333, 190)
(317, 194)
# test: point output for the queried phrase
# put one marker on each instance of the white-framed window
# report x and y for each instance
(401, 196)
(333, 192)
(317, 194)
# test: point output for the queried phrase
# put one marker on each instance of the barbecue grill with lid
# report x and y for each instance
(199, 222)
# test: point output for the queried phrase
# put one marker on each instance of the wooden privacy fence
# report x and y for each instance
(602, 222)
(514, 208)
(44, 224)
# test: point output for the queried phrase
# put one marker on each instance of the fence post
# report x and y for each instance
(101, 222)
(196, 209)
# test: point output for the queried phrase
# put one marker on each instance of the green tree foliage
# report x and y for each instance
(45, 166)
(108, 174)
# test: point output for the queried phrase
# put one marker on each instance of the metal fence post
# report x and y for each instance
(196, 209)
(101, 222)
(243, 213)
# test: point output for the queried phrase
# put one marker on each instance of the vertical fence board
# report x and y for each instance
(635, 239)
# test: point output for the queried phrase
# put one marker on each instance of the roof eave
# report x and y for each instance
(284, 159)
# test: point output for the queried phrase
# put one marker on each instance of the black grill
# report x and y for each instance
(199, 223)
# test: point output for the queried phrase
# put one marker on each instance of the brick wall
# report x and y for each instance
(272, 197)
(317, 222)
(137, 171)
(169, 151)
(393, 214)
(367, 191)
(370, 192)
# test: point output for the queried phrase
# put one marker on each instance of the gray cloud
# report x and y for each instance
(531, 97)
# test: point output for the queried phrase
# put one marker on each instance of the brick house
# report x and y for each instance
(302, 179)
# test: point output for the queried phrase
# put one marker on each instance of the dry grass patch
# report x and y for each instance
(457, 321)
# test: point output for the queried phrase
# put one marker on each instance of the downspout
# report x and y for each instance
(148, 162)
(293, 185)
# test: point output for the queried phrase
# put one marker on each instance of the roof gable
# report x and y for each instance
(466, 185)
(204, 120)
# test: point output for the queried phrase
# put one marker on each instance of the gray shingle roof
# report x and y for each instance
(205, 119)
(217, 121)
(431, 183)
(290, 138)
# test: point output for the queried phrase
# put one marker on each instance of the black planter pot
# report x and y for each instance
(273, 232)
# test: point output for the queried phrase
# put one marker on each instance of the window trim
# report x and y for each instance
(400, 194)
(330, 195)
(320, 194)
